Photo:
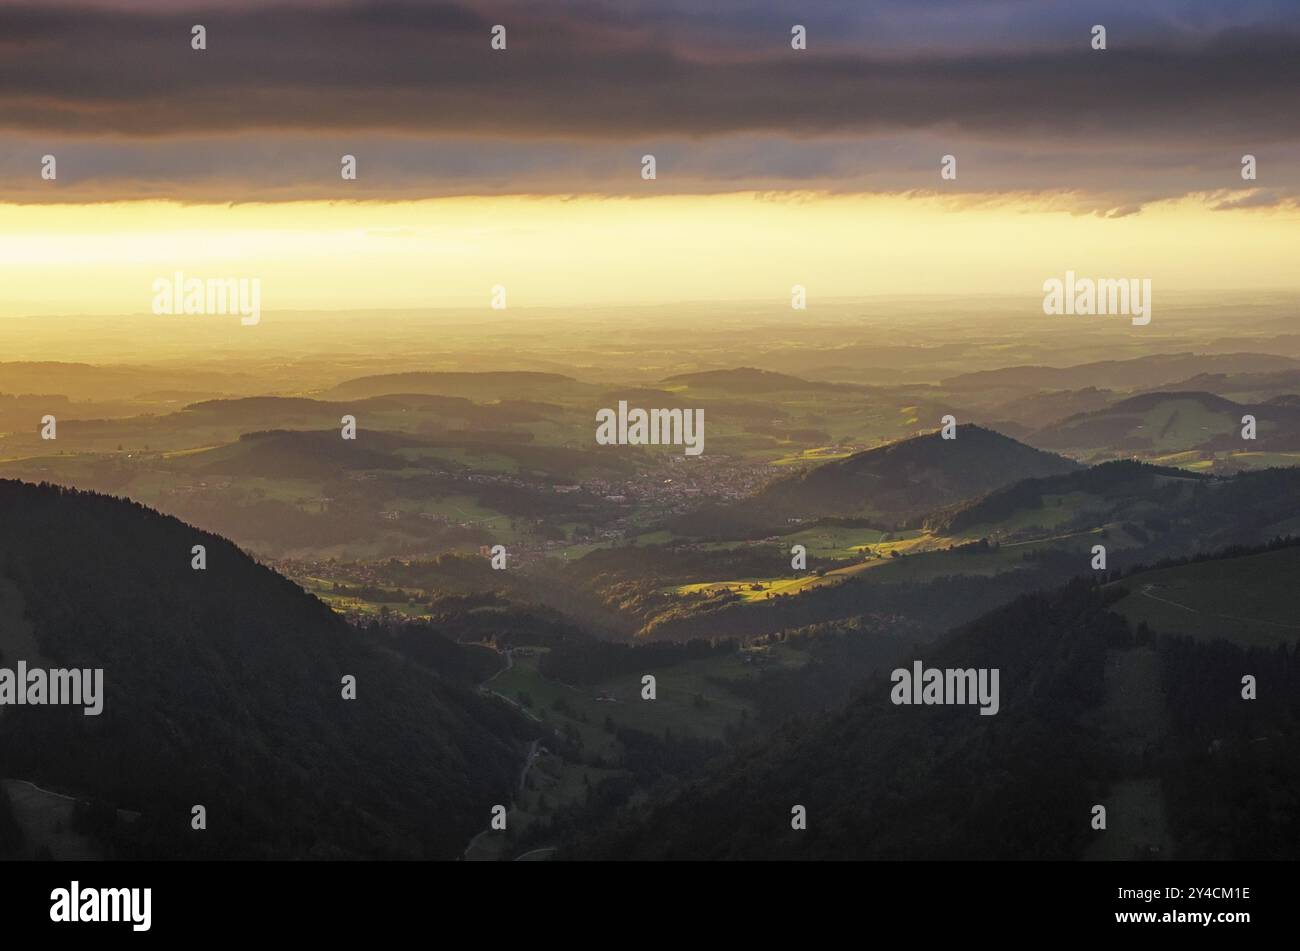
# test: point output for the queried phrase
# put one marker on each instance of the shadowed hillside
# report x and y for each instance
(222, 687)
(1094, 710)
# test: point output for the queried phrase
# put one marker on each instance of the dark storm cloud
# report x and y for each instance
(428, 68)
(713, 89)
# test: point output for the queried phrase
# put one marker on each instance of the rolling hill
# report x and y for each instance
(897, 481)
(1170, 422)
(747, 380)
(1156, 511)
(1149, 422)
(1138, 373)
(1087, 498)
(301, 454)
(1093, 710)
(1252, 387)
(489, 386)
(292, 412)
(82, 381)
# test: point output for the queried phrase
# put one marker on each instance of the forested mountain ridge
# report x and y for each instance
(223, 688)
(1095, 710)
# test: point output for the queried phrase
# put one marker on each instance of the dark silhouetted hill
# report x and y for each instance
(223, 688)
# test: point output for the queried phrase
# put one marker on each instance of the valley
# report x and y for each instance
(827, 534)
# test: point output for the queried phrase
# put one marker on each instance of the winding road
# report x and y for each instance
(1146, 591)
(529, 758)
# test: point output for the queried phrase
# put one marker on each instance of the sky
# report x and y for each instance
(523, 166)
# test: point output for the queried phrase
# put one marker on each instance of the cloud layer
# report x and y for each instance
(415, 91)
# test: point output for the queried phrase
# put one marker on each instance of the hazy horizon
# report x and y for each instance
(651, 430)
